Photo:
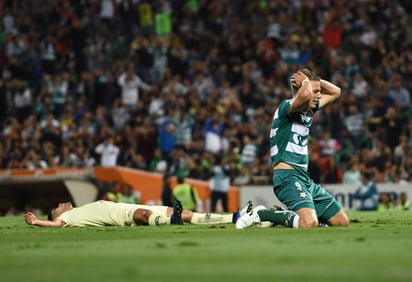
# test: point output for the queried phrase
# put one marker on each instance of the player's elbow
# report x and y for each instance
(338, 92)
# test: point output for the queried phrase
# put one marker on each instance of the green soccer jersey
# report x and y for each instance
(289, 136)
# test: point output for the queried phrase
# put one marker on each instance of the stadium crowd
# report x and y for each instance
(167, 86)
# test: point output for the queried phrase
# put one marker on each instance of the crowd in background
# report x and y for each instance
(179, 87)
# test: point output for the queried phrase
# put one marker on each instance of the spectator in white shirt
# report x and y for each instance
(108, 152)
(130, 84)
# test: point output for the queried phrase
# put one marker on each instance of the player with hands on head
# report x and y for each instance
(308, 204)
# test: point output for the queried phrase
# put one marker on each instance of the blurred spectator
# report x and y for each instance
(120, 114)
(167, 139)
(166, 194)
(82, 157)
(402, 149)
(129, 196)
(34, 161)
(185, 193)
(50, 129)
(354, 123)
(155, 161)
(353, 174)
(403, 204)
(22, 98)
(314, 168)
(367, 194)
(250, 150)
(219, 184)
(115, 194)
(391, 126)
(183, 127)
(385, 202)
(328, 146)
(180, 162)
(400, 95)
(213, 136)
(66, 157)
(243, 178)
(130, 84)
(331, 173)
(397, 176)
(108, 152)
(199, 170)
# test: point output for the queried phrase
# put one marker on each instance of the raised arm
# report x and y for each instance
(330, 93)
(301, 99)
(31, 219)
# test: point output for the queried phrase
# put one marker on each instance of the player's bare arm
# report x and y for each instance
(330, 93)
(302, 97)
(31, 219)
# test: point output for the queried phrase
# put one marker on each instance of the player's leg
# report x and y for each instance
(147, 217)
(339, 219)
(268, 217)
(217, 218)
(173, 215)
(291, 189)
(328, 209)
(307, 218)
(213, 218)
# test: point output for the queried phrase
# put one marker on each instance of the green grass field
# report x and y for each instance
(376, 247)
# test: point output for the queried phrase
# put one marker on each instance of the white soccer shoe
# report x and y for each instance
(250, 218)
(247, 208)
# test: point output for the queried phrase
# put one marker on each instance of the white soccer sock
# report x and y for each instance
(211, 218)
(296, 221)
(156, 219)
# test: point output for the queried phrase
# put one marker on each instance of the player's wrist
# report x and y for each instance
(304, 81)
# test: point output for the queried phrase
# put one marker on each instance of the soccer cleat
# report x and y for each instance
(245, 218)
(176, 218)
(243, 211)
(247, 208)
(248, 219)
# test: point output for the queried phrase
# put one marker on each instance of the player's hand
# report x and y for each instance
(297, 78)
(30, 218)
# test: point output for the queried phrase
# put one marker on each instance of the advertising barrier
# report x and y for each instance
(342, 192)
(149, 186)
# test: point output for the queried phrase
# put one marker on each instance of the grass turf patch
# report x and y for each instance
(376, 247)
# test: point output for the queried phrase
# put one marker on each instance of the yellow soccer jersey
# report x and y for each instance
(105, 213)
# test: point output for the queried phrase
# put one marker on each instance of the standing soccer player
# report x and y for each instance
(307, 202)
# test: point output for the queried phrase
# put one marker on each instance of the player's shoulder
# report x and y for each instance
(284, 106)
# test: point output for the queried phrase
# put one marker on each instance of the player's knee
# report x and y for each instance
(308, 222)
(307, 218)
(341, 219)
(141, 216)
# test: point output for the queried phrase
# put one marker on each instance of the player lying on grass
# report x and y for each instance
(106, 213)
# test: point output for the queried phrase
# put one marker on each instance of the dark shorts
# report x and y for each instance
(296, 190)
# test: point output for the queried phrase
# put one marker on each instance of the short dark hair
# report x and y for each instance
(367, 175)
(311, 76)
(50, 214)
(180, 179)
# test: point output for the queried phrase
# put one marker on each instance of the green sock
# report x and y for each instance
(286, 218)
